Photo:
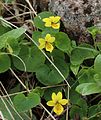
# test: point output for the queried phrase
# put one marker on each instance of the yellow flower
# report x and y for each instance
(57, 102)
(52, 22)
(47, 43)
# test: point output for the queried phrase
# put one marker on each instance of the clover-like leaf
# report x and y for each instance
(97, 64)
(86, 75)
(48, 75)
(16, 116)
(74, 68)
(62, 42)
(82, 53)
(94, 110)
(31, 56)
(23, 103)
(5, 62)
(88, 88)
(3, 29)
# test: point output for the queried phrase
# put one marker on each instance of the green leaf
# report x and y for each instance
(98, 45)
(36, 35)
(97, 64)
(31, 56)
(62, 41)
(82, 53)
(86, 75)
(13, 34)
(93, 31)
(40, 24)
(74, 96)
(83, 104)
(6, 114)
(3, 29)
(57, 54)
(76, 111)
(97, 78)
(88, 88)
(23, 103)
(13, 45)
(39, 91)
(79, 107)
(74, 68)
(4, 62)
(48, 75)
(94, 110)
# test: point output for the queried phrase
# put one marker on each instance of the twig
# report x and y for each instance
(31, 7)
(19, 79)
(31, 90)
(42, 115)
(99, 113)
(95, 98)
(47, 111)
(18, 15)
(67, 106)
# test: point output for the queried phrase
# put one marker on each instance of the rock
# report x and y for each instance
(77, 12)
(77, 15)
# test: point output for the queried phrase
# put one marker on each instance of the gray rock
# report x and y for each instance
(77, 15)
(77, 12)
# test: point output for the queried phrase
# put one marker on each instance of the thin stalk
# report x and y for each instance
(99, 113)
(31, 90)
(19, 80)
(67, 114)
(31, 7)
(48, 112)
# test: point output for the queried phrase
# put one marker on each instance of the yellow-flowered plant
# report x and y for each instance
(52, 22)
(47, 43)
(57, 102)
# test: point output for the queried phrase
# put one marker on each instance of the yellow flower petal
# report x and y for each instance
(55, 26)
(52, 18)
(56, 19)
(53, 96)
(46, 20)
(42, 43)
(50, 103)
(51, 40)
(63, 101)
(41, 46)
(48, 24)
(49, 47)
(41, 40)
(59, 96)
(58, 109)
(47, 37)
